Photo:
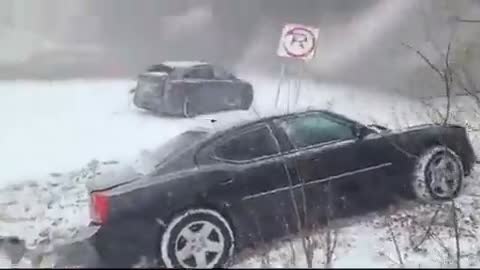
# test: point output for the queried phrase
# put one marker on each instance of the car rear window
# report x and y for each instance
(151, 84)
(160, 68)
(177, 145)
(200, 72)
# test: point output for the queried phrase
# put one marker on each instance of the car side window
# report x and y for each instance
(222, 74)
(255, 143)
(312, 129)
(201, 72)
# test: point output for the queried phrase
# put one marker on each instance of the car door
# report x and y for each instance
(380, 150)
(197, 82)
(230, 90)
(260, 174)
(324, 151)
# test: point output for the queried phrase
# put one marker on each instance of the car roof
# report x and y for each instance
(153, 74)
(225, 126)
(167, 67)
(184, 64)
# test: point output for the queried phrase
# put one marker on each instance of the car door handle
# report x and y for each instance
(226, 182)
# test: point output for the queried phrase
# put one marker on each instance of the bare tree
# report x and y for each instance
(395, 243)
(445, 74)
(458, 19)
(457, 235)
(331, 244)
(427, 230)
(293, 79)
(453, 75)
(330, 235)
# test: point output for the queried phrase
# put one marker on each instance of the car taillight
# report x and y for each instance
(99, 206)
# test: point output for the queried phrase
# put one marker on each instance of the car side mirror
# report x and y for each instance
(360, 131)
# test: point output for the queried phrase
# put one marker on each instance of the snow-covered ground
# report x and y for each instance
(56, 135)
(366, 242)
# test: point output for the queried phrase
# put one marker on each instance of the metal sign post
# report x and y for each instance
(298, 42)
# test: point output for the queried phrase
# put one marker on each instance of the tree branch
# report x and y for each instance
(464, 88)
(425, 59)
(394, 240)
(447, 79)
(332, 244)
(457, 235)
(445, 76)
(428, 230)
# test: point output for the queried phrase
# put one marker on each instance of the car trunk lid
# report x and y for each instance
(150, 90)
(173, 155)
(113, 178)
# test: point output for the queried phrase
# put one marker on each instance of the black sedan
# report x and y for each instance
(191, 88)
(213, 193)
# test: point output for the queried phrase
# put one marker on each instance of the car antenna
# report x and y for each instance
(211, 121)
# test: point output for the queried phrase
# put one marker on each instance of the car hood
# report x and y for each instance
(432, 125)
(431, 128)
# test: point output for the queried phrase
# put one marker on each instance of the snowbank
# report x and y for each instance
(56, 127)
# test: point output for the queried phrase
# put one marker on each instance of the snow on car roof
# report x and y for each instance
(155, 73)
(183, 64)
(239, 119)
(224, 123)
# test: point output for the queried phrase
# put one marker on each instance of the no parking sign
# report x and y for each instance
(298, 42)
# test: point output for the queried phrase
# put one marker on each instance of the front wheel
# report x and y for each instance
(198, 238)
(438, 175)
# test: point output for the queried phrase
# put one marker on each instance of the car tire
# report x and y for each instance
(438, 175)
(197, 238)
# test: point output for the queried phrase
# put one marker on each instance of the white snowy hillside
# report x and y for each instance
(57, 135)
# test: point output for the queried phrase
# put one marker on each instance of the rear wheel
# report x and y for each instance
(198, 238)
(438, 175)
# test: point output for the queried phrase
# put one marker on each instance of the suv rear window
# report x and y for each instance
(150, 83)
